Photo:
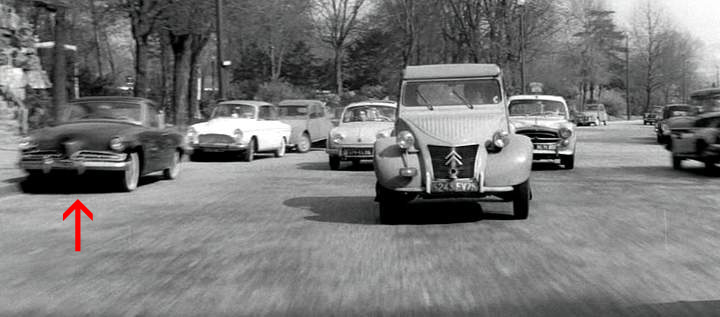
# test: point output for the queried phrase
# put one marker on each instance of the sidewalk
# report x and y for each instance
(10, 174)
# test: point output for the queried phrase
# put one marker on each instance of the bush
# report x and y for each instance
(276, 91)
(614, 102)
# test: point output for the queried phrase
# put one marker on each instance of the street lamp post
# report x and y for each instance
(521, 4)
(220, 61)
(627, 75)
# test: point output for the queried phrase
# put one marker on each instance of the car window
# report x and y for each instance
(536, 108)
(234, 111)
(292, 111)
(114, 110)
(267, 113)
(451, 93)
(369, 113)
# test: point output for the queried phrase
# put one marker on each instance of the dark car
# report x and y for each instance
(673, 116)
(698, 141)
(122, 135)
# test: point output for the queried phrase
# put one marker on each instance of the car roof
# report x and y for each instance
(537, 97)
(678, 105)
(710, 114)
(254, 103)
(300, 102)
(111, 98)
(706, 91)
(384, 103)
(440, 71)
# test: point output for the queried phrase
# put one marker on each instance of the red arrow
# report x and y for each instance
(79, 208)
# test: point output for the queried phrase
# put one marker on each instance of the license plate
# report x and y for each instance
(550, 146)
(454, 186)
(358, 152)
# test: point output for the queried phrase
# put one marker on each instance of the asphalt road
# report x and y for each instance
(621, 234)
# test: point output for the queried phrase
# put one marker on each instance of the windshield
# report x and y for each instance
(369, 113)
(680, 111)
(293, 111)
(234, 111)
(707, 103)
(451, 93)
(114, 110)
(536, 108)
(592, 108)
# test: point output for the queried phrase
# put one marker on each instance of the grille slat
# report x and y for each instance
(540, 136)
(441, 169)
(216, 138)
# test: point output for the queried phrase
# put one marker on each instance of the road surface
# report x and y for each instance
(621, 234)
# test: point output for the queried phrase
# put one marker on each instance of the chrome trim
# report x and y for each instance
(492, 189)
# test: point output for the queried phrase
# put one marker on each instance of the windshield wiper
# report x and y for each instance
(428, 104)
(467, 103)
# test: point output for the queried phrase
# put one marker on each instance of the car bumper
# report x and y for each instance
(364, 152)
(49, 165)
(218, 147)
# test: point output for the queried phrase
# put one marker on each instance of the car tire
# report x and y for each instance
(356, 163)
(131, 174)
(303, 145)
(173, 170)
(334, 161)
(568, 161)
(710, 165)
(249, 153)
(34, 182)
(280, 152)
(196, 156)
(597, 122)
(521, 200)
(392, 204)
(676, 162)
(604, 122)
(659, 138)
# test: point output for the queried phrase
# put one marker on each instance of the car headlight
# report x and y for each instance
(238, 134)
(337, 137)
(116, 144)
(192, 135)
(405, 139)
(565, 132)
(499, 139)
(27, 143)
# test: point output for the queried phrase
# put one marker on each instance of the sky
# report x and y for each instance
(699, 17)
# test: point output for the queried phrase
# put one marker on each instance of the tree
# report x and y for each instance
(339, 22)
(144, 15)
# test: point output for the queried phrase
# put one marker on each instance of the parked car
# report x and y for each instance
(309, 120)
(700, 141)
(594, 114)
(651, 117)
(358, 128)
(244, 127)
(122, 135)
(452, 139)
(676, 115)
(545, 120)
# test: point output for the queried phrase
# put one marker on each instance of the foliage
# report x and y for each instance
(277, 90)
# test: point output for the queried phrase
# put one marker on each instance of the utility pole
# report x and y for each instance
(521, 3)
(627, 74)
(684, 81)
(717, 76)
(220, 61)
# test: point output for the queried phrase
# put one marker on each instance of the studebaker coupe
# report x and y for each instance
(700, 141)
(545, 120)
(123, 135)
(240, 126)
(359, 126)
(674, 116)
(452, 139)
(309, 120)
(594, 114)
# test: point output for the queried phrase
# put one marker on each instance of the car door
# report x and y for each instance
(269, 133)
(314, 122)
(685, 138)
(151, 139)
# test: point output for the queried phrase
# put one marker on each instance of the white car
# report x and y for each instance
(240, 126)
(359, 127)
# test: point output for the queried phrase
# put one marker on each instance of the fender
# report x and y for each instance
(389, 159)
(512, 165)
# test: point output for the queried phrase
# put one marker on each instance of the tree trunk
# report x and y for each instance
(196, 49)
(96, 37)
(59, 88)
(338, 70)
(166, 59)
(141, 65)
(181, 49)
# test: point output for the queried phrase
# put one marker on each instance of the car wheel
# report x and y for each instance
(249, 153)
(604, 122)
(659, 138)
(568, 161)
(304, 143)
(676, 162)
(131, 174)
(280, 152)
(173, 170)
(196, 156)
(521, 200)
(597, 122)
(34, 182)
(356, 163)
(334, 161)
(392, 204)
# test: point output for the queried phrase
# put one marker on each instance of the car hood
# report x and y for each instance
(534, 122)
(453, 127)
(225, 125)
(361, 132)
(84, 135)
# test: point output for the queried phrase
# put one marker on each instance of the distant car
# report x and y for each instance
(244, 127)
(452, 139)
(700, 141)
(122, 135)
(650, 118)
(309, 119)
(594, 114)
(358, 128)
(673, 115)
(545, 120)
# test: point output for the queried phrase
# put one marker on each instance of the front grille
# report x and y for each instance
(540, 136)
(40, 155)
(216, 138)
(442, 161)
(99, 156)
